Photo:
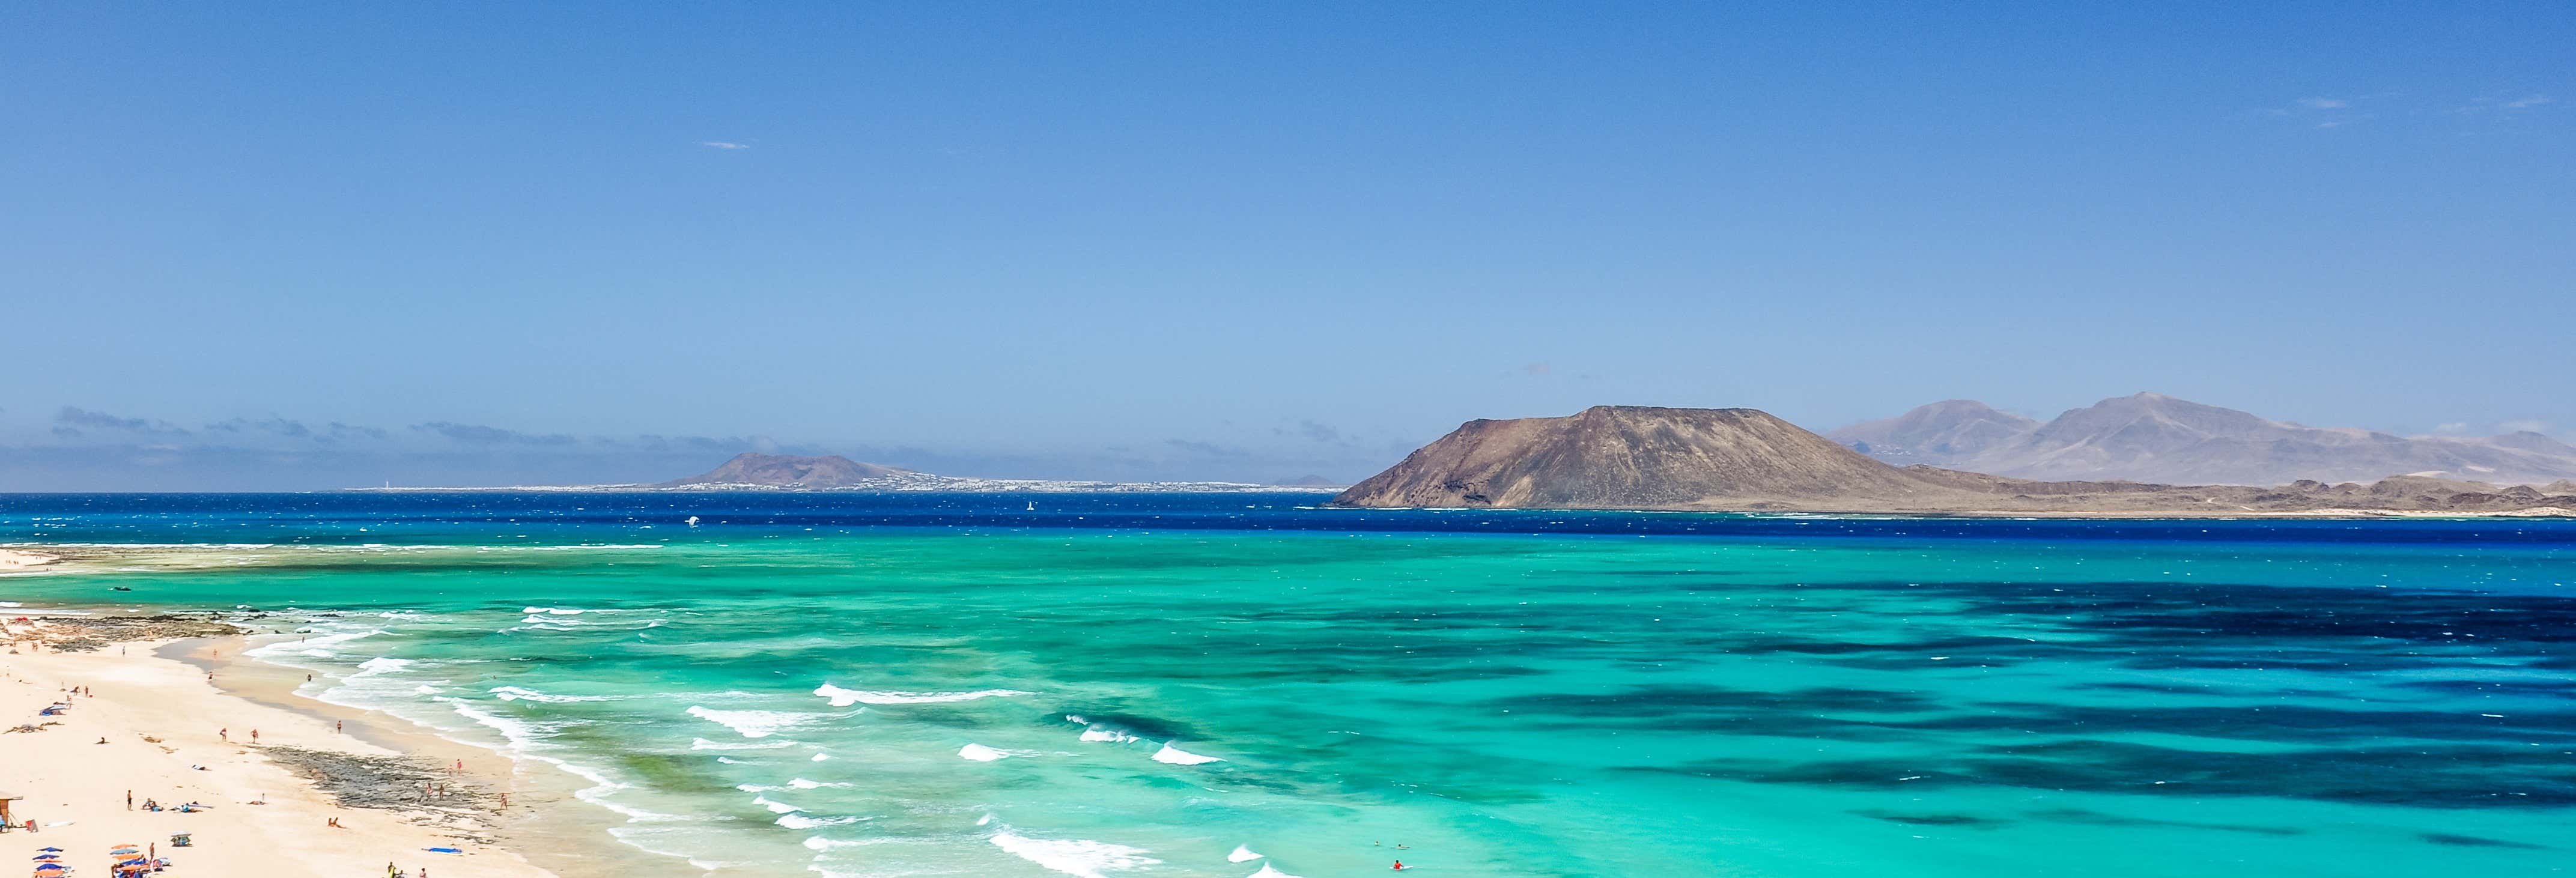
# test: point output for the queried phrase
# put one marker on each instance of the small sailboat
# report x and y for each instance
(1033, 506)
(693, 521)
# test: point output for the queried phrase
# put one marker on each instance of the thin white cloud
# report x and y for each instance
(2481, 105)
(2324, 103)
(721, 144)
(2524, 426)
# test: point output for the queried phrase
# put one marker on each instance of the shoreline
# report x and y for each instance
(545, 821)
(167, 696)
(266, 815)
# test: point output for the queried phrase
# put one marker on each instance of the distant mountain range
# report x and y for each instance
(1631, 457)
(2155, 438)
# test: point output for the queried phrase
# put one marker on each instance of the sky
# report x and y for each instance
(306, 246)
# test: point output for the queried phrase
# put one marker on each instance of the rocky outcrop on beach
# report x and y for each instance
(86, 633)
(1629, 457)
(2150, 437)
(395, 783)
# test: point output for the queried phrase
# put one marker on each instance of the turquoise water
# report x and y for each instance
(1113, 686)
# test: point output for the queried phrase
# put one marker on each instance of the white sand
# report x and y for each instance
(74, 787)
(13, 559)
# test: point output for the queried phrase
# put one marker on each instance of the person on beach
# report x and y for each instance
(226, 734)
(129, 795)
(338, 727)
(254, 736)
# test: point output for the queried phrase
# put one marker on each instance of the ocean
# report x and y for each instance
(1237, 685)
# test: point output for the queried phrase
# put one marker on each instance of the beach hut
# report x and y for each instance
(5, 819)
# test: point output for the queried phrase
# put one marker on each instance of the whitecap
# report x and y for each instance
(773, 806)
(800, 821)
(1082, 858)
(380, 665)
(845, 697)
(1177, 756)
(818, 757)
(803, 784)
(520, 733)
(981, 753)
(1242, 854)
(751, 723)
(704, 744)
(514, 693)
(1267, 872)
(1108, 736)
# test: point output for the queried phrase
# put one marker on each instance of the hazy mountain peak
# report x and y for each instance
(785, 471)
(1949, 429)
(2152, 437)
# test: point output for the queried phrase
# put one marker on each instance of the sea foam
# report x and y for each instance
(800, 821)
(752, 723)
(514, 693)
(845, 697)
(1177, 756)
(1082, 858)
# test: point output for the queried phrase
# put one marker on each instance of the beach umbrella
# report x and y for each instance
(51, 850)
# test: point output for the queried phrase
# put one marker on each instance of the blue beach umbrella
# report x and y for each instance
(51, 850)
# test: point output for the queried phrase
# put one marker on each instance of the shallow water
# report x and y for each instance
(1138, 685)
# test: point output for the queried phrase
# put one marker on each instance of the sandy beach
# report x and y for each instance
(155, 726)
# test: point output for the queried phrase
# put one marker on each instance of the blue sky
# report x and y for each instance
(1184, 241)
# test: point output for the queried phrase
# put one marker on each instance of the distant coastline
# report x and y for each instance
(903, 484)
(771, 473)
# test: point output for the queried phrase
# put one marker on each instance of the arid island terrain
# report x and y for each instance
(1638, 457)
